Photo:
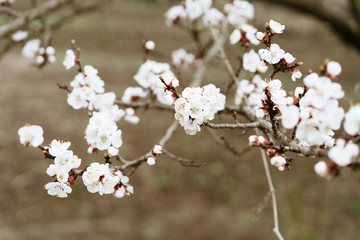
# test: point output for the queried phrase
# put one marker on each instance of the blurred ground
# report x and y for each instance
(224, 200)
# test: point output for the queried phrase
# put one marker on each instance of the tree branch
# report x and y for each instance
(232, 126)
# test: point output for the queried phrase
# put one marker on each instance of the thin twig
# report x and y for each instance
(272, 191)
(184, 161)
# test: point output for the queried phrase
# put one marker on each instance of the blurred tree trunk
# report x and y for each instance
(345, 25)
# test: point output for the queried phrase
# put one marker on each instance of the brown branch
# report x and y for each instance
(184, 161)
(9, 11)
(21, 21)
(222, 141)
(232, 126)
(145, 105)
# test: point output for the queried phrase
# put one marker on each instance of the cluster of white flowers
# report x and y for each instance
(192, 9)
(102, 132)
(257, 140)
(183, 60)
(279, 161)
(274, 54)
(213, 18)
(32, 50)
(31, 135)
(198, 105)
(148, 76)
(239, 12)
(253, 63)
(64, 161)
(85, 86)
(246, 34)
(319, 111)
(156, 151)
(344, 152)
(251, 91)
(100, 178)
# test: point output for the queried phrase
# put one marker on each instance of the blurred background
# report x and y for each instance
(227, 199)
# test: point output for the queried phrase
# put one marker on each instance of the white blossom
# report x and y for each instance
(69, 59)
(58, 189)
(133, 94)
(272, 55)
(321, 168)
(196, 8)
(198, 105)
(235, 36)
(239, 12)
(31, 135)
(333, 68)
(289, 58)
(157, 149)
(278, 161)
(343, 152)
(151, 161)
(148, 76)
(183, 60)
(19, 36)
(213, 18)
(276, 27)
(113, 151)
(31, 48)
(252, 62)
(58, 147)
(352, 120)
(149, 45)
(289, 116)
(295, 75)
(175, 14)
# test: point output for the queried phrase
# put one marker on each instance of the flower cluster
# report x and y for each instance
(258, 140)
(32, 50)
(319, 111)
(191, 10)
(156, 151)
(198, 105)
(64, 162)
(251, 91)
(100, 178)
(244, 35)
(102, 133)
(183, 60)
(239, 12)
(148, 77)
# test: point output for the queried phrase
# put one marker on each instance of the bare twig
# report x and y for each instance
(224, 58)
(226, 144)
(184, 161)
(272, 191)
(9, 11)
